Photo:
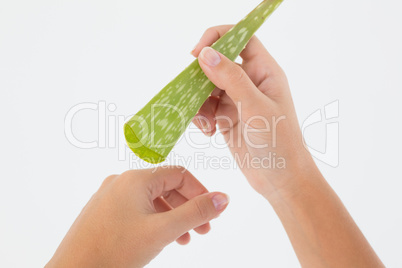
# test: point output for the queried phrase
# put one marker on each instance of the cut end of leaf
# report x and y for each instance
(139, 148)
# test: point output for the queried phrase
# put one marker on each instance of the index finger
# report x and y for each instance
(174, 178)
(253, 49)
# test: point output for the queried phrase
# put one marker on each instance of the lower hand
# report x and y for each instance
(133, 216)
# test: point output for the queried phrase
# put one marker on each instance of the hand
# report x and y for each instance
(253, 108)
(133, 216)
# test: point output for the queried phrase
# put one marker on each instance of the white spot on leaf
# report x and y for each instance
(205, 84)
(181, 88)
(243, 36)
(195, 73)
(242, 30)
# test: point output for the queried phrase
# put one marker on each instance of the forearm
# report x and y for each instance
(321, 230)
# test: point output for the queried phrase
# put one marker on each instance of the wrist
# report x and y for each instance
(299, 174)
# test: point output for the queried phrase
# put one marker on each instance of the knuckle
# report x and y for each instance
(128, 177)
(201, 209)
(108, 180)
(181, 169)
(128, 173)
(236, 75)
(210, 29)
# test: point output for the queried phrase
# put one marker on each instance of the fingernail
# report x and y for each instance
(220, 201)
(210, 56)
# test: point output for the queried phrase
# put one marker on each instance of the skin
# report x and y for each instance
(133, 216)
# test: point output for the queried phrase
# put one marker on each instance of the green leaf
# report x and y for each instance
(152, 133)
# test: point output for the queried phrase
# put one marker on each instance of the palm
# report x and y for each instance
(230, 117)
(231, 129)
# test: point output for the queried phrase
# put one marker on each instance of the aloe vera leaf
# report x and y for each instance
(152, 133)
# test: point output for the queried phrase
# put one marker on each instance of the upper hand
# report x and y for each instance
(254, 111)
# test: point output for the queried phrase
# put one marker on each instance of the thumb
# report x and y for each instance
(229, 76)
(194, 213)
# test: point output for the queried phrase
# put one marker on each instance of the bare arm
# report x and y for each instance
(322, 232)
(253, 107)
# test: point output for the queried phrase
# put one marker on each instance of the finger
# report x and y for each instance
(228, 76)
(177, 178)
(175, 199)
(106, 182)
(162, 206)
(193, 213)
(217, 92)
(203, 228)
(254, 49)
(184, 183)
(209, 37)
(184, 239)
(205, 119)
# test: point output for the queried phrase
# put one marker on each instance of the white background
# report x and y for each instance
(56, 54)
